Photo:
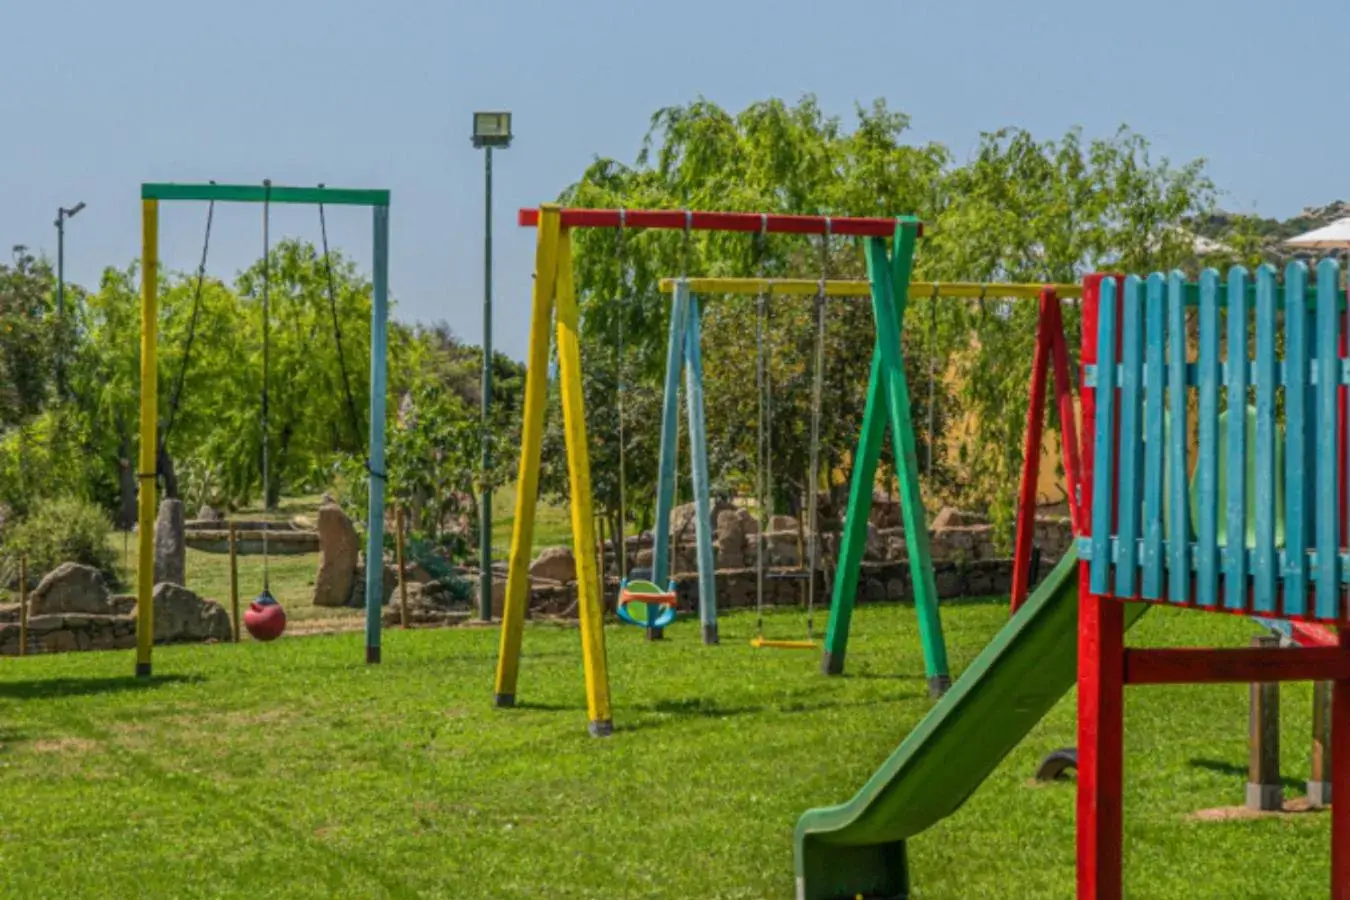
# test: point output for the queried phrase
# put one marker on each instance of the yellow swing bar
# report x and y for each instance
(763, 643)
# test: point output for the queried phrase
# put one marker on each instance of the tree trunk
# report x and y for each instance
(126, 479)
(167, 472)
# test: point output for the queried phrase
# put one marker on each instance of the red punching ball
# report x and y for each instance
(265, 619)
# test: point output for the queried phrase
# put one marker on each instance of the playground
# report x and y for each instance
(221, 777)
(798, 553)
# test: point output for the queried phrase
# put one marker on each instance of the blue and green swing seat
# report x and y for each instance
(644, 604)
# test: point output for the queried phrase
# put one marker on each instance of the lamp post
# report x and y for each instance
(490, 129)
(62, 213)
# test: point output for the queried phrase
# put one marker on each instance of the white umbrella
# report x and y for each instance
(1335, 236)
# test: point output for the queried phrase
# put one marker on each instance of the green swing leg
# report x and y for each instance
(888, 398)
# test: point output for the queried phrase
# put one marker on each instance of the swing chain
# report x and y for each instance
(176, 397)
(266, 367)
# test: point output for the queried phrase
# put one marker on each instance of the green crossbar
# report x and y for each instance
(257, 193)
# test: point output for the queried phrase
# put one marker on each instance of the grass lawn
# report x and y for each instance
(292, 770)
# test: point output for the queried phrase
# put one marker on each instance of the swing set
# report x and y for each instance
(265, 617)
(887, 402)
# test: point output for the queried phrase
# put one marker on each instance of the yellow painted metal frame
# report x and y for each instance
(145, 513)
(918, 290)
(555, 291)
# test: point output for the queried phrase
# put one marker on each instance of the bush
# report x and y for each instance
(63, 530)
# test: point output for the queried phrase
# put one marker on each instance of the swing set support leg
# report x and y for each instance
(698, 452)
(888, 398)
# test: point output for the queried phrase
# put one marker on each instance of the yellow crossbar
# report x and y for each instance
(799, 287)
(765, 643)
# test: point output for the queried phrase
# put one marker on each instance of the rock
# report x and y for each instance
(70, 588)
(782, 523)
(643, 560)
(60, 642)
(180, 615)
(170, 545)
(358, 599)
(781, 548)
(210, 514)
(123, 604)
(735, 529)
(876, 545)
(682, 522)
(555, 564)
(339, 549)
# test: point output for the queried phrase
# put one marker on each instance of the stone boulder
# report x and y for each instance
(780, 548)
(339, 551)
(170, 544)
(181, 616)
(358, 596)
(782, 523)
(736, 530)
(210, 514)
(71, 588)
(555, 564)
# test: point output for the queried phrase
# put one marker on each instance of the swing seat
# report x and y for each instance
(265, 619)
(764, 643)
(644, 604)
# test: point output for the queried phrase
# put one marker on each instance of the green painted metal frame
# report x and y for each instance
(257, 193)
(888, 399)
(378, 201)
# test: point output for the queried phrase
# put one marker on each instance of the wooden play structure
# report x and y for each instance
(1246, 519)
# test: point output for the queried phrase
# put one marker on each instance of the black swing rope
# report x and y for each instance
(266, 366)
(353, 417)
(176, 397)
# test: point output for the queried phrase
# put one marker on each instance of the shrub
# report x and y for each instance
(63, 530)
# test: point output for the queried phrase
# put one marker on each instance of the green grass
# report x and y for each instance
(552, 524)
(292, 770)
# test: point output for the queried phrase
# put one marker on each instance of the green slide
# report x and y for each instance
(858, 848)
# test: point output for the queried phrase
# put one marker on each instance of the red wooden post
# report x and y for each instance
(1031, 457)
(1101, 692)
(1073, 475)
(1340, 780)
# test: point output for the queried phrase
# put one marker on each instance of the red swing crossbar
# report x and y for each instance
(682, 219)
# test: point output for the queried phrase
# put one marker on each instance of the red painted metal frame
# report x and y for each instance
(1185, 665)
(693, 220)
(1051, 353)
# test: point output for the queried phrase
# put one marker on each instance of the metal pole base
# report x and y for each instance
(1265, 797)
(939, 685)
(142, 670)
(504, 701)
(1319, 794)
(656, 634)
(710, 634)
(372, 655)
(831, 664)
(602, 728)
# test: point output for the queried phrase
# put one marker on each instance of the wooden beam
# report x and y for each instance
(1205, 666)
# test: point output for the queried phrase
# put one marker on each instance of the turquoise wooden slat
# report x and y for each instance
(1295, 437)
(1263, 565)
(1207, 465)
(1327, 603)
(1102, 439)
(1150, 586)
(1235, 470)
(1178, 525)
(1131, 456)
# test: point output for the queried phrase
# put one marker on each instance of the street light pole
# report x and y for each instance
(62, 213)
(485, 525)
(490, 129)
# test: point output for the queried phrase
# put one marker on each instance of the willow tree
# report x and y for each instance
(1020, 209)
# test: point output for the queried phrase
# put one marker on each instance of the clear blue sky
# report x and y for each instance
(100, 96)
